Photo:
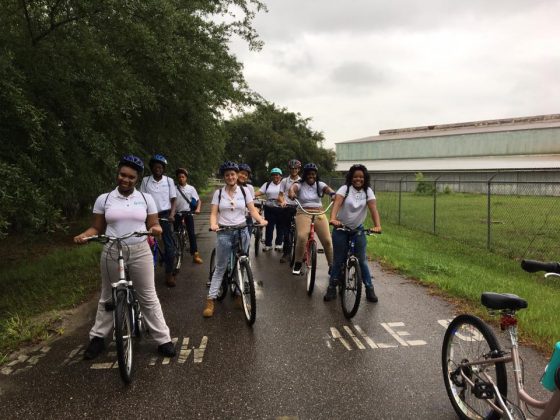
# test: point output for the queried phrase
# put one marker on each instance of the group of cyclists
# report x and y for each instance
(159, 201)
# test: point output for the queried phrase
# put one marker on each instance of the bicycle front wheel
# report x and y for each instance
(247, 286)
(258, 235)
(351, 288)
(123, 335)
(468, 340)
(292, 241)
(179, 242)
(311, 267)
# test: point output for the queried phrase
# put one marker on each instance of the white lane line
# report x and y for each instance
(72, 354)
(107, 365)
(444, 322)
(45, 349)
(394, 334)
(199, 352)
(185, 351)
(473, 335)
(153, 361)
(166, 360)
(337, 336)
(391, 325)
(354, 338)
(368, 340)
(6, 370)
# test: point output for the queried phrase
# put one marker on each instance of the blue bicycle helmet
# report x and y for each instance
(133, 162)
(158, 159)
(310, 167)
(228, 165)
(276, 171)
(244, 167)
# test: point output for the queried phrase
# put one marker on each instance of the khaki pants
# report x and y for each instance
(141, 269)
(303, 226)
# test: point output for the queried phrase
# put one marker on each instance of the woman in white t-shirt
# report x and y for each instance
(121, 211)
(187, 203)
(272, 210)
(228, 209)
(351, 204)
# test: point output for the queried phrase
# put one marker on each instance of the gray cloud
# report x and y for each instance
(357, 75)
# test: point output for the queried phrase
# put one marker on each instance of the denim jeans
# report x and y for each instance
(340, 246)
(169, 255)
(225, 242)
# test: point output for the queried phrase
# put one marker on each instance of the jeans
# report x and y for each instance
(340, 244)
(169, 255)
(224, 244)
(274, 217)
(189, 224)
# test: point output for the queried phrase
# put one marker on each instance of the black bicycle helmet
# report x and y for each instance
(133, 162)
(228, 165)
(294, 163)
(310, 167)
(158, 159)
(244, 167)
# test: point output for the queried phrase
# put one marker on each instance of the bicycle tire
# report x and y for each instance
(247, 288)
(258, 234)
(351, 288)
(292, 239)
(471, 339)
(179, 248)
(123, 335)
(311, 267)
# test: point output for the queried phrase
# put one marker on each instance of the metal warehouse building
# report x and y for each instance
(525, 149)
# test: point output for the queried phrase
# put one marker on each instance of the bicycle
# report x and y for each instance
(351, 284)
(180, 241)
(474, 364)
(310, 255)
(238, 276)
(159, 257)
(127, 317)
(290, 242)
(258, 229)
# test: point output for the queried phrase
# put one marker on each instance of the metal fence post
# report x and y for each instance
(489, 213)
(400, 199)
(435, 206)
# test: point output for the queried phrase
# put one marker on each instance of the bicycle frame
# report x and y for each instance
(311, 236)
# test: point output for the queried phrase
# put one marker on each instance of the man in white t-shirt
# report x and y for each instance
(162, 189)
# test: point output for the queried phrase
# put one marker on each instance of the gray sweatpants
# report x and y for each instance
(141, 270)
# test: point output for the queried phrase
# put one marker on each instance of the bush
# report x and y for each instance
(423, 186)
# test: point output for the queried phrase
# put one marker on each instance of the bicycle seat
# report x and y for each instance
(502, 301)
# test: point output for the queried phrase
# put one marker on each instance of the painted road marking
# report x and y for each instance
(368, 340)
(474, 335)
(199, 352)
(25, 361)
(337, 336)
(166, 360)
(185, 352)
(355, 338)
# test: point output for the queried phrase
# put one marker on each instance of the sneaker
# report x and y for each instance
(167, 349)
(196, 258)
(95, 347)
(284, 258)
(267, 248)
(170, 280)
(296, 271)
(208, 311)
(331, 294)
(370, 294)
(278, 247)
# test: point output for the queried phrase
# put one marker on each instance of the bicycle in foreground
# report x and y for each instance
(127, 317)
(238, 277)
(310, 255)
(351, 284)
(474, 364)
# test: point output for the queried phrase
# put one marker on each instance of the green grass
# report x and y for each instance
(465, 272)
(33, 292)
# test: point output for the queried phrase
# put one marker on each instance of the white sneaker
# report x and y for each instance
(279, 247)
(267, 248)
(296, 271)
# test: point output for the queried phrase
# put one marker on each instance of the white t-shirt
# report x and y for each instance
(190, 192)
(231, 211)
(125, 214)
(271, 193)
(162, 191)
(285, 185)
(307, 194)
(353, 211)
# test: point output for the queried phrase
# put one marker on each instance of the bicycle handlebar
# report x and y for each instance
(313, 213)
(532, 266)
(226, 228)
(106, 238)
(366, 231)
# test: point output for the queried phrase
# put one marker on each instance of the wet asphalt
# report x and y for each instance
(289, 365)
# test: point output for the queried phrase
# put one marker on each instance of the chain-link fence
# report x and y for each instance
(517, 219)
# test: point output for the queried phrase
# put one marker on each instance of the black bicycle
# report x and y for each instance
(258, 229)
(127, 317)
(350, 285)
(180, 240)
(238, 276)
(290, 242)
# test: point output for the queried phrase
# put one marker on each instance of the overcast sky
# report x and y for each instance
(359, 66)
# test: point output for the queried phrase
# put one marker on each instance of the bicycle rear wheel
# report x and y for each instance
(123, 335)
(179, 241)
(258, 235)
(469, 339)
(351, 288)
(247, 286)
(311, 267)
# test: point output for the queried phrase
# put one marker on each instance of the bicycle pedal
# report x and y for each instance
(109, 306)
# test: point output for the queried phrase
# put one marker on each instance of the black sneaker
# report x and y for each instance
(331, 294)
(370, 295)
(296, 271)
(95, 347)
(167, 349)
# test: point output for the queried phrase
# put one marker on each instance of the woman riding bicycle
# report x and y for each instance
(272, 210)
(309, 191)
(187, 203)
(116, 213)
(228, 209)
(350, 209)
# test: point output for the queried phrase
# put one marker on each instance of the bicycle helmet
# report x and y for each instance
(276, 171)
(228, 165)
(158, 159)
(310, 167)
(244, 167)
(294, 163)
(181, 171)
(133, 162)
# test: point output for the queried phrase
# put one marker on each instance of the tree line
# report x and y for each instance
(83, 82)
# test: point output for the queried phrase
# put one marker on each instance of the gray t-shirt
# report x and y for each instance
(307, 194)
(353, 211)
(285, 185)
